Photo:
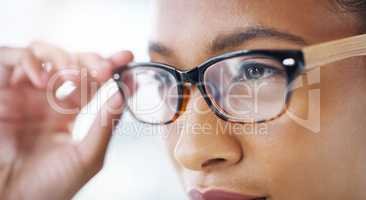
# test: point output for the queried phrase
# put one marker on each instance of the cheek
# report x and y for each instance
(343, 95)
(310, 166)
(299, 161)
(304, 101)
(292, 159)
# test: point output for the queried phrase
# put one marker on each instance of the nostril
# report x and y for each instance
(213, 162)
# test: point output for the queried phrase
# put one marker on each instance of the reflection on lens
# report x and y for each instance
(247, 89)
(154, 98)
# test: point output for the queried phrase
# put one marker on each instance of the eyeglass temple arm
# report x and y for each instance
(322, 54)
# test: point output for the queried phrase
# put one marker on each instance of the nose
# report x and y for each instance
(205, 143)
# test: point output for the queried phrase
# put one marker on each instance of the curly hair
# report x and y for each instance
(354, 6)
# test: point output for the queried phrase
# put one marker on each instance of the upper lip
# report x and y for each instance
(216, 194)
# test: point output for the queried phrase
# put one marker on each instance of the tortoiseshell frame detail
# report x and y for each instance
(196, 76)
(306, 59)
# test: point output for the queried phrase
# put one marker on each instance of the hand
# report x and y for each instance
(38, 158)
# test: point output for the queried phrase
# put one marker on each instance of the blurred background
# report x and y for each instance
(137, 166)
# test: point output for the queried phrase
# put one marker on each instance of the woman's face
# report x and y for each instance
(314, 151)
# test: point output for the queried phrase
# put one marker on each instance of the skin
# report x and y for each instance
(37, 151)
(287, 162)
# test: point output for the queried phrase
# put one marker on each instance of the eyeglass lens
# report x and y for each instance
(245, 89)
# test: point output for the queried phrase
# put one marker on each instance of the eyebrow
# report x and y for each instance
(234, 39)
(239, 38)
(156, 47)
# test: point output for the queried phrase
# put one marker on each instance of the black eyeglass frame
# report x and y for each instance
(306, 59)
(196, 76)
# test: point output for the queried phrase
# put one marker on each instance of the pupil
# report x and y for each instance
(255, 72)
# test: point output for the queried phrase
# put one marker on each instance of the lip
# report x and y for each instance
(221, 195)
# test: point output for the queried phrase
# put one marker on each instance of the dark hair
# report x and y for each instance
(357, 7)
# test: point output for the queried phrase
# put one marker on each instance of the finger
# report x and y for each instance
(98, 67)
(99, 70)
(126, 84)
(59, 58)
(93, 148)
(18, 76)
(25, 59)
(121, 58)
(61, 68)
(94, 71)
(5, 75)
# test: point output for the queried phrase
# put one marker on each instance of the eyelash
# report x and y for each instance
(243, 73)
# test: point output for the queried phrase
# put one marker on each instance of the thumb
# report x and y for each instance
(121, 58)
(94, 146)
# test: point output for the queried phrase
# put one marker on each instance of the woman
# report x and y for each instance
(216, 153)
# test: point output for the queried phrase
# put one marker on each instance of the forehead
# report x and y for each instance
(189, 26)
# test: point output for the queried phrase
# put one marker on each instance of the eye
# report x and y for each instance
(255, 71)
(163, 78)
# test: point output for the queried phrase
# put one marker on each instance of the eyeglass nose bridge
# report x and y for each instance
(191, 76)
(190, 80)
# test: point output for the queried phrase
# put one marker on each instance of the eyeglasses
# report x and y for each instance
(250, 86)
